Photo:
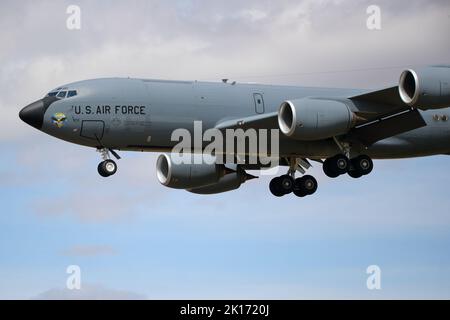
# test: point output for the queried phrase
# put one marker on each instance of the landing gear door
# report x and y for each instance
(92, 129)
(259, 103)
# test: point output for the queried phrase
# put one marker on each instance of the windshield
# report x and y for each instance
(62, 93)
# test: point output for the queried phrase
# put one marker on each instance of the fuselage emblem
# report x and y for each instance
(58, 119)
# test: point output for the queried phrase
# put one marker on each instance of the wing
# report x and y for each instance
(386, 116)
(376, 103)
(383, 115)
(260, 121)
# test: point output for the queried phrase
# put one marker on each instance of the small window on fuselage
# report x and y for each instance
(71, 93)
(52, 94)
(62, 94)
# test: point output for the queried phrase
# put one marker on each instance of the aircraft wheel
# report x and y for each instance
(363, 164)
(286, 183)
(275, 187)
(340, 164)
(354, 173)
(107, 168)
(101, 170)
(328, 170)
(300, 193)
(305, 185)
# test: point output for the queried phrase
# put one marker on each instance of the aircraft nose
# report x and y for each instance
(33, 114)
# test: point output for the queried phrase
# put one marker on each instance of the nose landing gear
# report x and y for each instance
(107, 167)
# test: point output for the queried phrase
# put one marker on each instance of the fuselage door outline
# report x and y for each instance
(92, 129)
(259, 103)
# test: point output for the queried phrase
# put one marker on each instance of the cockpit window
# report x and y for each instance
(71, 93)
(62, 94)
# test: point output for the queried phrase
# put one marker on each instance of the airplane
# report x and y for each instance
(341, 129)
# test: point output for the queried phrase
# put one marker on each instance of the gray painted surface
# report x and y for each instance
(143, 113)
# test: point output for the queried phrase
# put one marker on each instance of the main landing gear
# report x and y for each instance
(287, 183)
(307, 185)
(107, 167)
(340, 164)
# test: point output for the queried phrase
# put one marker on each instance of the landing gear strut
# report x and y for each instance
(107, 167)
(285, 184)
(341, 163)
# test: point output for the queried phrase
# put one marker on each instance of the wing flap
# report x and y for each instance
(375, 104)
(387, 127)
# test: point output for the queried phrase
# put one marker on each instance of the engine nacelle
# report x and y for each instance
(427, 88)
(229, 182)
(187, 175)
(315, 118)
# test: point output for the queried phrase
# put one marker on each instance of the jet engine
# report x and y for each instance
(426, 88)
(315, 118)
(199, 176)
(194, 174)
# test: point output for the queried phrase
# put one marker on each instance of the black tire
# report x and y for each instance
(355, 173)
(305, 185)
(101, 171)
(310, 184)
(286, 183)
(363, 164)
(329, 172)
(275, 187)
(339, 164)
(107, 168)
(299, 193)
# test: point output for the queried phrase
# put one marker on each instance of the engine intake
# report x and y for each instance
(427, 88)
(187, 175)
(199, 177)
(315, 118)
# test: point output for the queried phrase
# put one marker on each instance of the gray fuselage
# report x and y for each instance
(140, 115)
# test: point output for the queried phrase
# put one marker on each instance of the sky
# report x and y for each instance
(135, 239)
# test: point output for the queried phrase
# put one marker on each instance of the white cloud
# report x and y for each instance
(253, 15)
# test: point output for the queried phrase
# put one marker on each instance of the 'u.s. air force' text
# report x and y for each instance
(106, 109)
